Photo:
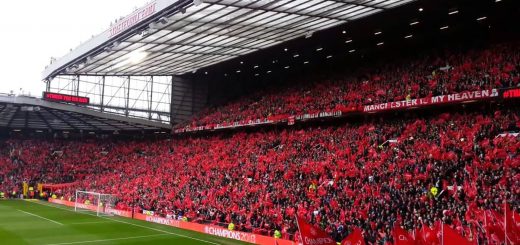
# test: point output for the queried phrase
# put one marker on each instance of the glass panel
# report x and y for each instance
(372, 2)
(361, 11)
(321, 8)
(367, 13)
(388, 2)
(398, 3)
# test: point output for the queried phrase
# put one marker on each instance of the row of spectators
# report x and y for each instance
(436, 74)
(414, 170)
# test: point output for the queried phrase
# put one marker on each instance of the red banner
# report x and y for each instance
(122, 213)
(512, 230)
(158, 220)
(290, 120)
(402, 237)
(323, 114)
(58, 186)
(450, 236)
(355, 238)
(341, 112)
(441, 99)
(243, 123)
(266, 121)
(511, 93)
(312, 235)
(66, 98)
(93, 208)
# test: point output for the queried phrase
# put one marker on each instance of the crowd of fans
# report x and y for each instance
(367, 174)
(435, 74)
(413, 170)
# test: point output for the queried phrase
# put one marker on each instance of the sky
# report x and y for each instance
(33, 31)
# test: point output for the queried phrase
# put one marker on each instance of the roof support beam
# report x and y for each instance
(106, 122)
(282, 12)
(198, 45)
(61, 119)
(26, 117)
(84, 122)
(123, 109)
(39, 114)
(77, 87)
(150, 102)
(358, 4)
(103, 95)
(13, 116)
(127, 105)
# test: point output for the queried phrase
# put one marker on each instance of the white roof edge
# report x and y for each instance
(115, 30)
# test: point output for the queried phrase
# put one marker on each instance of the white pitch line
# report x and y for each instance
(150, 228)
(55, 222)
(57, 207)
(93, 222)
(107, 240)
(171, 233)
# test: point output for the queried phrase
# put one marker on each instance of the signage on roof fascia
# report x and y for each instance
(112, 32)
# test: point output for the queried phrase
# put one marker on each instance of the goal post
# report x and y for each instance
(96, 202)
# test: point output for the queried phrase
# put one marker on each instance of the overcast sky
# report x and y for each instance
(32, 31)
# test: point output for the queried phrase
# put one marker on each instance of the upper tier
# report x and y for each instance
(443, 74)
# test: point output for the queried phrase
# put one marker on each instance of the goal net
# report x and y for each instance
(101, 204)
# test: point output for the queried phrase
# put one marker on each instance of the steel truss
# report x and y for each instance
(145, 97)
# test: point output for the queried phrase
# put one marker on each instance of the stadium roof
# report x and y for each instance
(22, 112)
(170, 37)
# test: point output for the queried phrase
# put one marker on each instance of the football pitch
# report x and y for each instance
(38, 222)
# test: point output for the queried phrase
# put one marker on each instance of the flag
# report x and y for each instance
(516, 219)
(431, 235)
(495, 225)
(419, 236)
(472, 236)
(512, 231)
(402, 237)
(355, 238)
(311, 235)
(451, 237)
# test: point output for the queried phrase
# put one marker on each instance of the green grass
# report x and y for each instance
(37, 222)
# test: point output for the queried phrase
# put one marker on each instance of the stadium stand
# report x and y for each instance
(412, 169)
(336, 176)
(448, 73)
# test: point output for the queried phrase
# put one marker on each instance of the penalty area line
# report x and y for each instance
(35, 215)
